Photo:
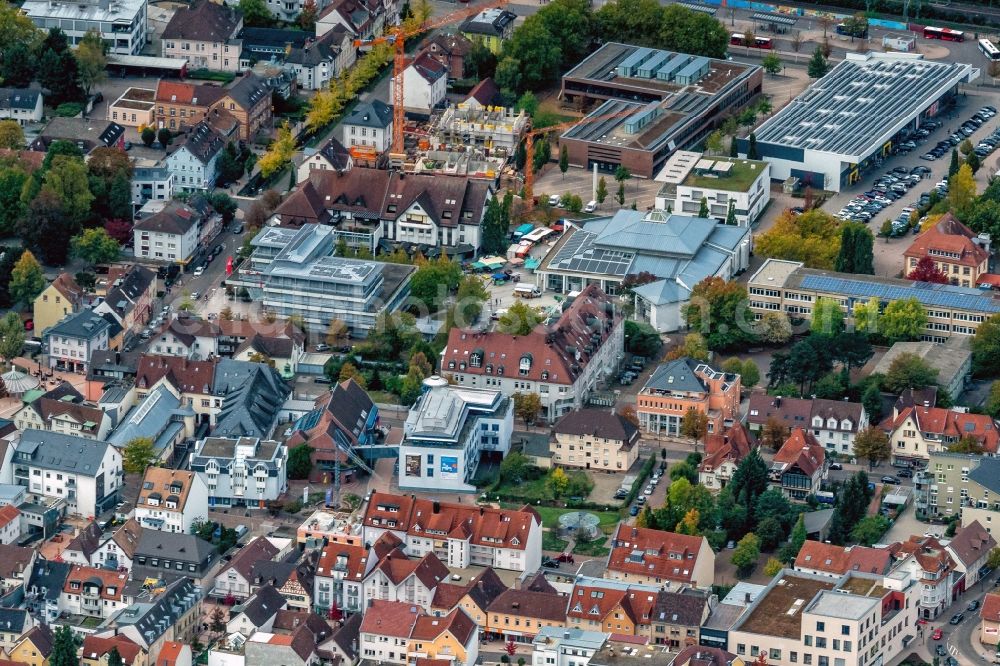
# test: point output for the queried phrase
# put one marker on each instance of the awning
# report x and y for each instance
(18, 382)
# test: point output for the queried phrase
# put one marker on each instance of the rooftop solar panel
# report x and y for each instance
(968, 299)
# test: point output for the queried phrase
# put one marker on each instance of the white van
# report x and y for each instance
(590, 207)
(527, 291)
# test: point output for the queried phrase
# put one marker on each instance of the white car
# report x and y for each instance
(554, 200)
(198, 271)
(648, 490)
(590, 207)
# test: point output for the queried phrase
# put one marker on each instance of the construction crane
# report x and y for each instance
(397, 38)
(529, 146)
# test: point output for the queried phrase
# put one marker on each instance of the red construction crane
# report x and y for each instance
(397, 36)
(529, 146)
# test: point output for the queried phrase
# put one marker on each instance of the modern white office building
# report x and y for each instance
(121, 23)
(723, 182)
(448, 431)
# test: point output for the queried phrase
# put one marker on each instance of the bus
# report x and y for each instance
(947, 34)
(855, 29)
(989, 50)
(739, 39)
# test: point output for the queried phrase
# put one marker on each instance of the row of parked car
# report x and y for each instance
(918, 136)
(886, 190)
(962, 133)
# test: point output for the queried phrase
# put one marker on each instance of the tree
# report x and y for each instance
(812, 238)
(773, 328)
(827, 318)
(869, 529)
(771, 64)
(703, 208)
(300, 461)
(26, 279)
(138, 454)
(217, 620)
(773, 434)
(856, 250)
(67, 178)
(731, 214)
(602, 190)
(993, 559)
(64, 648)
(563, 159)
(11, 336)
(148, 136)
(746, 554)
(718, 309)
(818, 66)
(749, 482)
(954, 165)
(770, 532)
(694, 424)
(514, 468)
(280, 152)
(641, 338)
(926, 270)
(11, 135)
(307, 17)
(527, 406)
(985, 347)
(683, 470)
(256, 13)
(871, 400)
(520, 319)
(973, 162)
(797, 538)
(962, 190)
(350, 371)
(164, 136)
(57, 69)
(620, 194)
(903, 320)
(95, 246)
(19, 65)
(713, 143)
(968, 444)
(531, 57)
(115, 658)
(752, 153)
(693, 347)
(557, 482)
(772, 568)
(91, 60)
(872, 444)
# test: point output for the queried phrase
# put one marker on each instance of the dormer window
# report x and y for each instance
(476, 359)
(489, 368)
(545, 375)
(451, 365)
(525, 365)
(499, 370)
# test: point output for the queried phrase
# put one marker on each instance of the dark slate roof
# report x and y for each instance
(248, 91)
(48, 578)
(429, 68)
(127, 290)
(336, 153)
(61, 453)
(376, 114)
(203, 142)
(18, 98)
(269, 572)
(184, 547)
(476, 25)
(263, 605)
(599, 423)
(254, 394)
(346, 637)
(175, 218)
(685, 608)
(87, 541)
(987, 474)
(84, 325)
(205, 22)
(111, 134)
(153, 621)
(13, 619)
(677, 375)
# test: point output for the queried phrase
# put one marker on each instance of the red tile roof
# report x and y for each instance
(429, 570)
(110, 582)
(947, 423)
(169, 653)
(557, 355)
(95, 648)
(991, 607)
(482, 526)
(351, 558)
(457, 623)
(390, 618)
(842, 559)
(971, 543)
(951, 237)
(801, 449)
(733, 445)
(928, 552)
(647, 552)
(245, 558)
(550, 606)
(188, 376)
(8, 514)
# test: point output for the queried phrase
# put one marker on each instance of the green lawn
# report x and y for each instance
(740, 178)
(550, 516)
(550, 541)
(597, 548)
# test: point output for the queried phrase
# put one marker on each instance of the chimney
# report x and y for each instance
(746, 597)
(436, 507)
(777, 401)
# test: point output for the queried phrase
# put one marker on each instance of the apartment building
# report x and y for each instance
(170, 235)
(171, 500)
(121, 25)
(66, 414)
(825, 559)
(855, 620)
(403, 579)
(970, 550)
(369, 125)
(562, 363)
(490, 27)
(723, 182)
(204, 35)
(929, 565)
(75, 338)
(957, 251)
(246, 103)
(787, 286)
(834, 423)
(663, 559)
(340, 572)
(682, 384)
(398, 633)
(95, 593)
(558, 647)
(474, 596)
(247, 471)
(129, 295)
(61, 298)
(917, 431)
(959, 484)
(194, 163)
(458, 533)
(595, 439)
(519, 614)
(425, 85)
(21, 104)
(84, 473)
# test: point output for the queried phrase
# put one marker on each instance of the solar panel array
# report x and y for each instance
(945, 296)
(577, 255)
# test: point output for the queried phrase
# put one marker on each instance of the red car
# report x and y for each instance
(937, 634)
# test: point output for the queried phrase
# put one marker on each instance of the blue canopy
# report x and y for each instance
(499, 276)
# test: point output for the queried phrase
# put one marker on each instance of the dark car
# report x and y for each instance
(890, 479)
(217, 250)
(956, 618)
(940, 650)
(634, 511)
(550, 564)
(974, 606)
(836, 466)
(905, 473)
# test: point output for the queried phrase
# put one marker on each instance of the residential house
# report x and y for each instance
(84, 132)
(560, 647)
(409, 580)
(72, 340)
(989, 624)
(130, 295)
(385, 631)
(490, 27)
(190, 337)
(257, 613)
(171, 555)
(451, 50)
(21, 104)
(95, 651)
(340, 574)
(798, 466)
(134, 108)
(249, 101)
(14, 623)
(247, 471)
(364, 18)
(171, 500)
(180, 105)
(957, 251)
(151, 184)
(425, 84)
(195, 379)
(43, 582)
(67, 415)
(665, 559)
(122, 25)
(193, 163)
(459, 534)
(368, 125)
(298, 649)
(91, 592)
(84, 544)
(34, 648)
(108, 369)
(293, 580)
(453, 638)
(171, 615)
(284, 352)
(61, 298)
(825, 559)
(519, 614)
(246, 104)
(204, 35)
(932, 567)
(331, 156)
(344, 643)
(86, 474)
(970, 549)
(10, 524)
(562, 363)
(682, 384)
(917, 431)
(314, 61)
(161, 417)
(834, 423)
(173, 653)
(595, 439)
(235, 578)
(344, 418)
(474, 597)
(170, 235)
(723, 453)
